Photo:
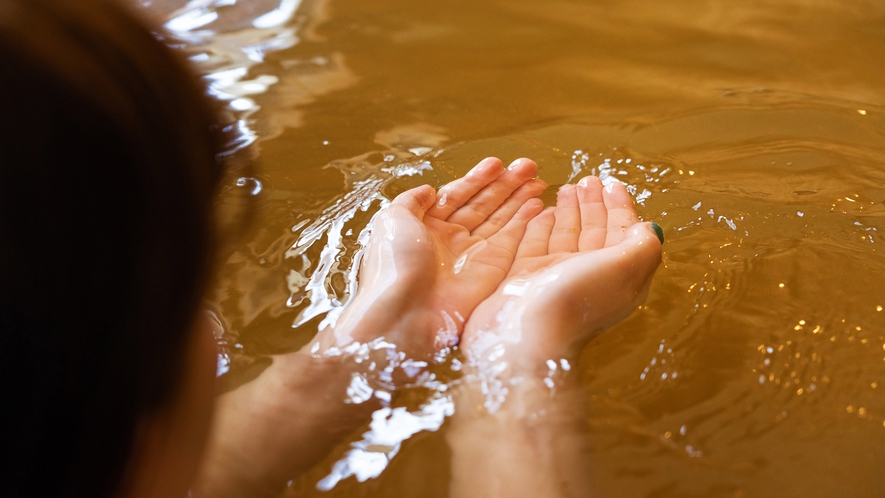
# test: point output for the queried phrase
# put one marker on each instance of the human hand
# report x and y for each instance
(430, 260)
(579, 269)
(433, 257)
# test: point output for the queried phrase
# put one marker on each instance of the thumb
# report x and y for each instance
(417, 200)
(642, 243)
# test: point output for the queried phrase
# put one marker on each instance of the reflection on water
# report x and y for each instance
(753, 132)
(317, 289)
(226, 40)
(390, 426)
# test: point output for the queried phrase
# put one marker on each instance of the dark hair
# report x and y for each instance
(108, 168)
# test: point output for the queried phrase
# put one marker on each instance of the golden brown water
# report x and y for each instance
(753, 132)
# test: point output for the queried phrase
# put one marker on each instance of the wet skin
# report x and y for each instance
(439, 264)
(278, 426)
(581, 267)
(434, 256)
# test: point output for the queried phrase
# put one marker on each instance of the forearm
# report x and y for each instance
(277, 427)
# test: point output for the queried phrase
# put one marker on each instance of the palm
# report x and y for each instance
(464, 268)
(581, 266)
(447, 252)
(527, 265)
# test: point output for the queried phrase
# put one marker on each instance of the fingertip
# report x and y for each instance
(567, 196)
(612, 186)
(547, 216)
(537, 185)
(658, 231)
(421, 198)
(645, 234)
(590, 189)
(490, 166)
(526, 213)
(426, 196)
(617, 193)
(564, 189)
(589, 181)
(525, 165)
(640, 250)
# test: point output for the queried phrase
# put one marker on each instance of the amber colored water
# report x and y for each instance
(753, 132)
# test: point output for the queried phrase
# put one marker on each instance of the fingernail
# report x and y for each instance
(659, 231)
(583, 182)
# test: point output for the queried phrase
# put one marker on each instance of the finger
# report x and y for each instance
(502, 216)
(621, 212)
(567, 228)
(643, 249)
(509, 237)
(594, 215)
(477, 210)
(416, 201)
(453, 195)
(537, 235)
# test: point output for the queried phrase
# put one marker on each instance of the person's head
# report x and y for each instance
(107, 174)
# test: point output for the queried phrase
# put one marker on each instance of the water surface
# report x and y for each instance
(753, 132)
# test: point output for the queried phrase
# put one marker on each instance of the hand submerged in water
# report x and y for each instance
(433, 257)
(581, 267)
(430, 261)
(479, 250)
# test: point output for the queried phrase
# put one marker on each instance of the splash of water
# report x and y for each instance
(390, 427)
(224, 51)
(312, 285)
(385, 370)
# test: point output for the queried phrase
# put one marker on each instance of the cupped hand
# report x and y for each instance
(434, 256)
(581, 267)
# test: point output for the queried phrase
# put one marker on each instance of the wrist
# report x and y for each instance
(411, 321)
(500, 374)
(530, 396)
(520, 336)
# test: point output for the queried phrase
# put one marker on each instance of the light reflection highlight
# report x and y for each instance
(382, 369)
(226, 52)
